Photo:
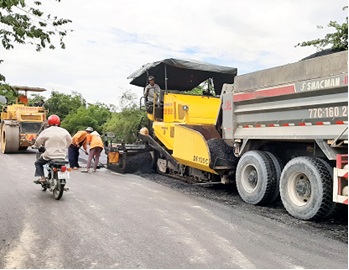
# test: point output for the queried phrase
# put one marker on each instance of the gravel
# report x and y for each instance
(219, 149)
(322, 53)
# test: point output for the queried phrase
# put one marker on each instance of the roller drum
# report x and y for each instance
(9, 139)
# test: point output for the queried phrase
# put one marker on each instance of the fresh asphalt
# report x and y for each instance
(108, 220)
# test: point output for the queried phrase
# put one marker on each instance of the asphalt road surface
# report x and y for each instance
(108, 220)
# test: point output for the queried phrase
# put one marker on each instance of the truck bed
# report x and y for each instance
(307, 100)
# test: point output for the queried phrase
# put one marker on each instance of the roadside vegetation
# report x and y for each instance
(76, 114)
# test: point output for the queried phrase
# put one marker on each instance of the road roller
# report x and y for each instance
(21, 123)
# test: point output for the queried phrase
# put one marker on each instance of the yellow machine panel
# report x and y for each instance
(191, 149)
(189, 108)
(22, 113)
(165, 133)
(184, 109)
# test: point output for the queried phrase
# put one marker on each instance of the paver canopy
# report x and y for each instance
(183, 75)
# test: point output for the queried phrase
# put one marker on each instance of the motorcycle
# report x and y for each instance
(56, 174)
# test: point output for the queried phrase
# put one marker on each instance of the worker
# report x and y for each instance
(96, 147)
(79, 139)
(40, 104)
(56, 141)
(152, 89)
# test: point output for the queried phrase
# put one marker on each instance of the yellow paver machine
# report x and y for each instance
(20, 123)
(182, 135)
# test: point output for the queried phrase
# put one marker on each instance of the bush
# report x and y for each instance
(95, 116)
(125, 123)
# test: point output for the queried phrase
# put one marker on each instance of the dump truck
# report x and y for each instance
(275, 133)
(289, 126)
(20, 123)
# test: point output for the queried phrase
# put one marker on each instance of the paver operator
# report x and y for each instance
(151, 89)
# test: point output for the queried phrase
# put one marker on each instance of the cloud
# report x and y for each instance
(111, 39)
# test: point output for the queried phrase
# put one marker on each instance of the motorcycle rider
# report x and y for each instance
(56, 141)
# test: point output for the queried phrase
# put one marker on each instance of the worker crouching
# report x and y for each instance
(96, 148)
(79, 139)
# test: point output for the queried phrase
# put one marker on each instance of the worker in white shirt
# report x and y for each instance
(56, 141)
(151, 89)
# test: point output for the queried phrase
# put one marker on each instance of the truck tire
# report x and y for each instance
(256, 178)
(306, 188)
(9, 138)
(279, 165)
(334, 209)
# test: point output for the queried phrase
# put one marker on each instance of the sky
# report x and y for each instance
(113, 38)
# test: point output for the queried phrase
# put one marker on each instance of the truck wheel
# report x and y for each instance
(306, 188)
(9, 139)
(256, 178)
(334, 208)
(279, 165)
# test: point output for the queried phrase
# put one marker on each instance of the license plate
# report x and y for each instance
(63, 175)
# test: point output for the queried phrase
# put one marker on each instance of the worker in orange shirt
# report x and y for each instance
(79, 139)
(96, 147)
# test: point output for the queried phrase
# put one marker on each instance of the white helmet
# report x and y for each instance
(89, 129)
(95, 133)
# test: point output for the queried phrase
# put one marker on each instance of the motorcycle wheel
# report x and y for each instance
(58, 191)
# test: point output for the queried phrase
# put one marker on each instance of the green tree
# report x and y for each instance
(95, 116)
(62, 104)
(338, 39)
(10, 94)
(199, 90)
(125, 123)
(196, 91)
(22, 23)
